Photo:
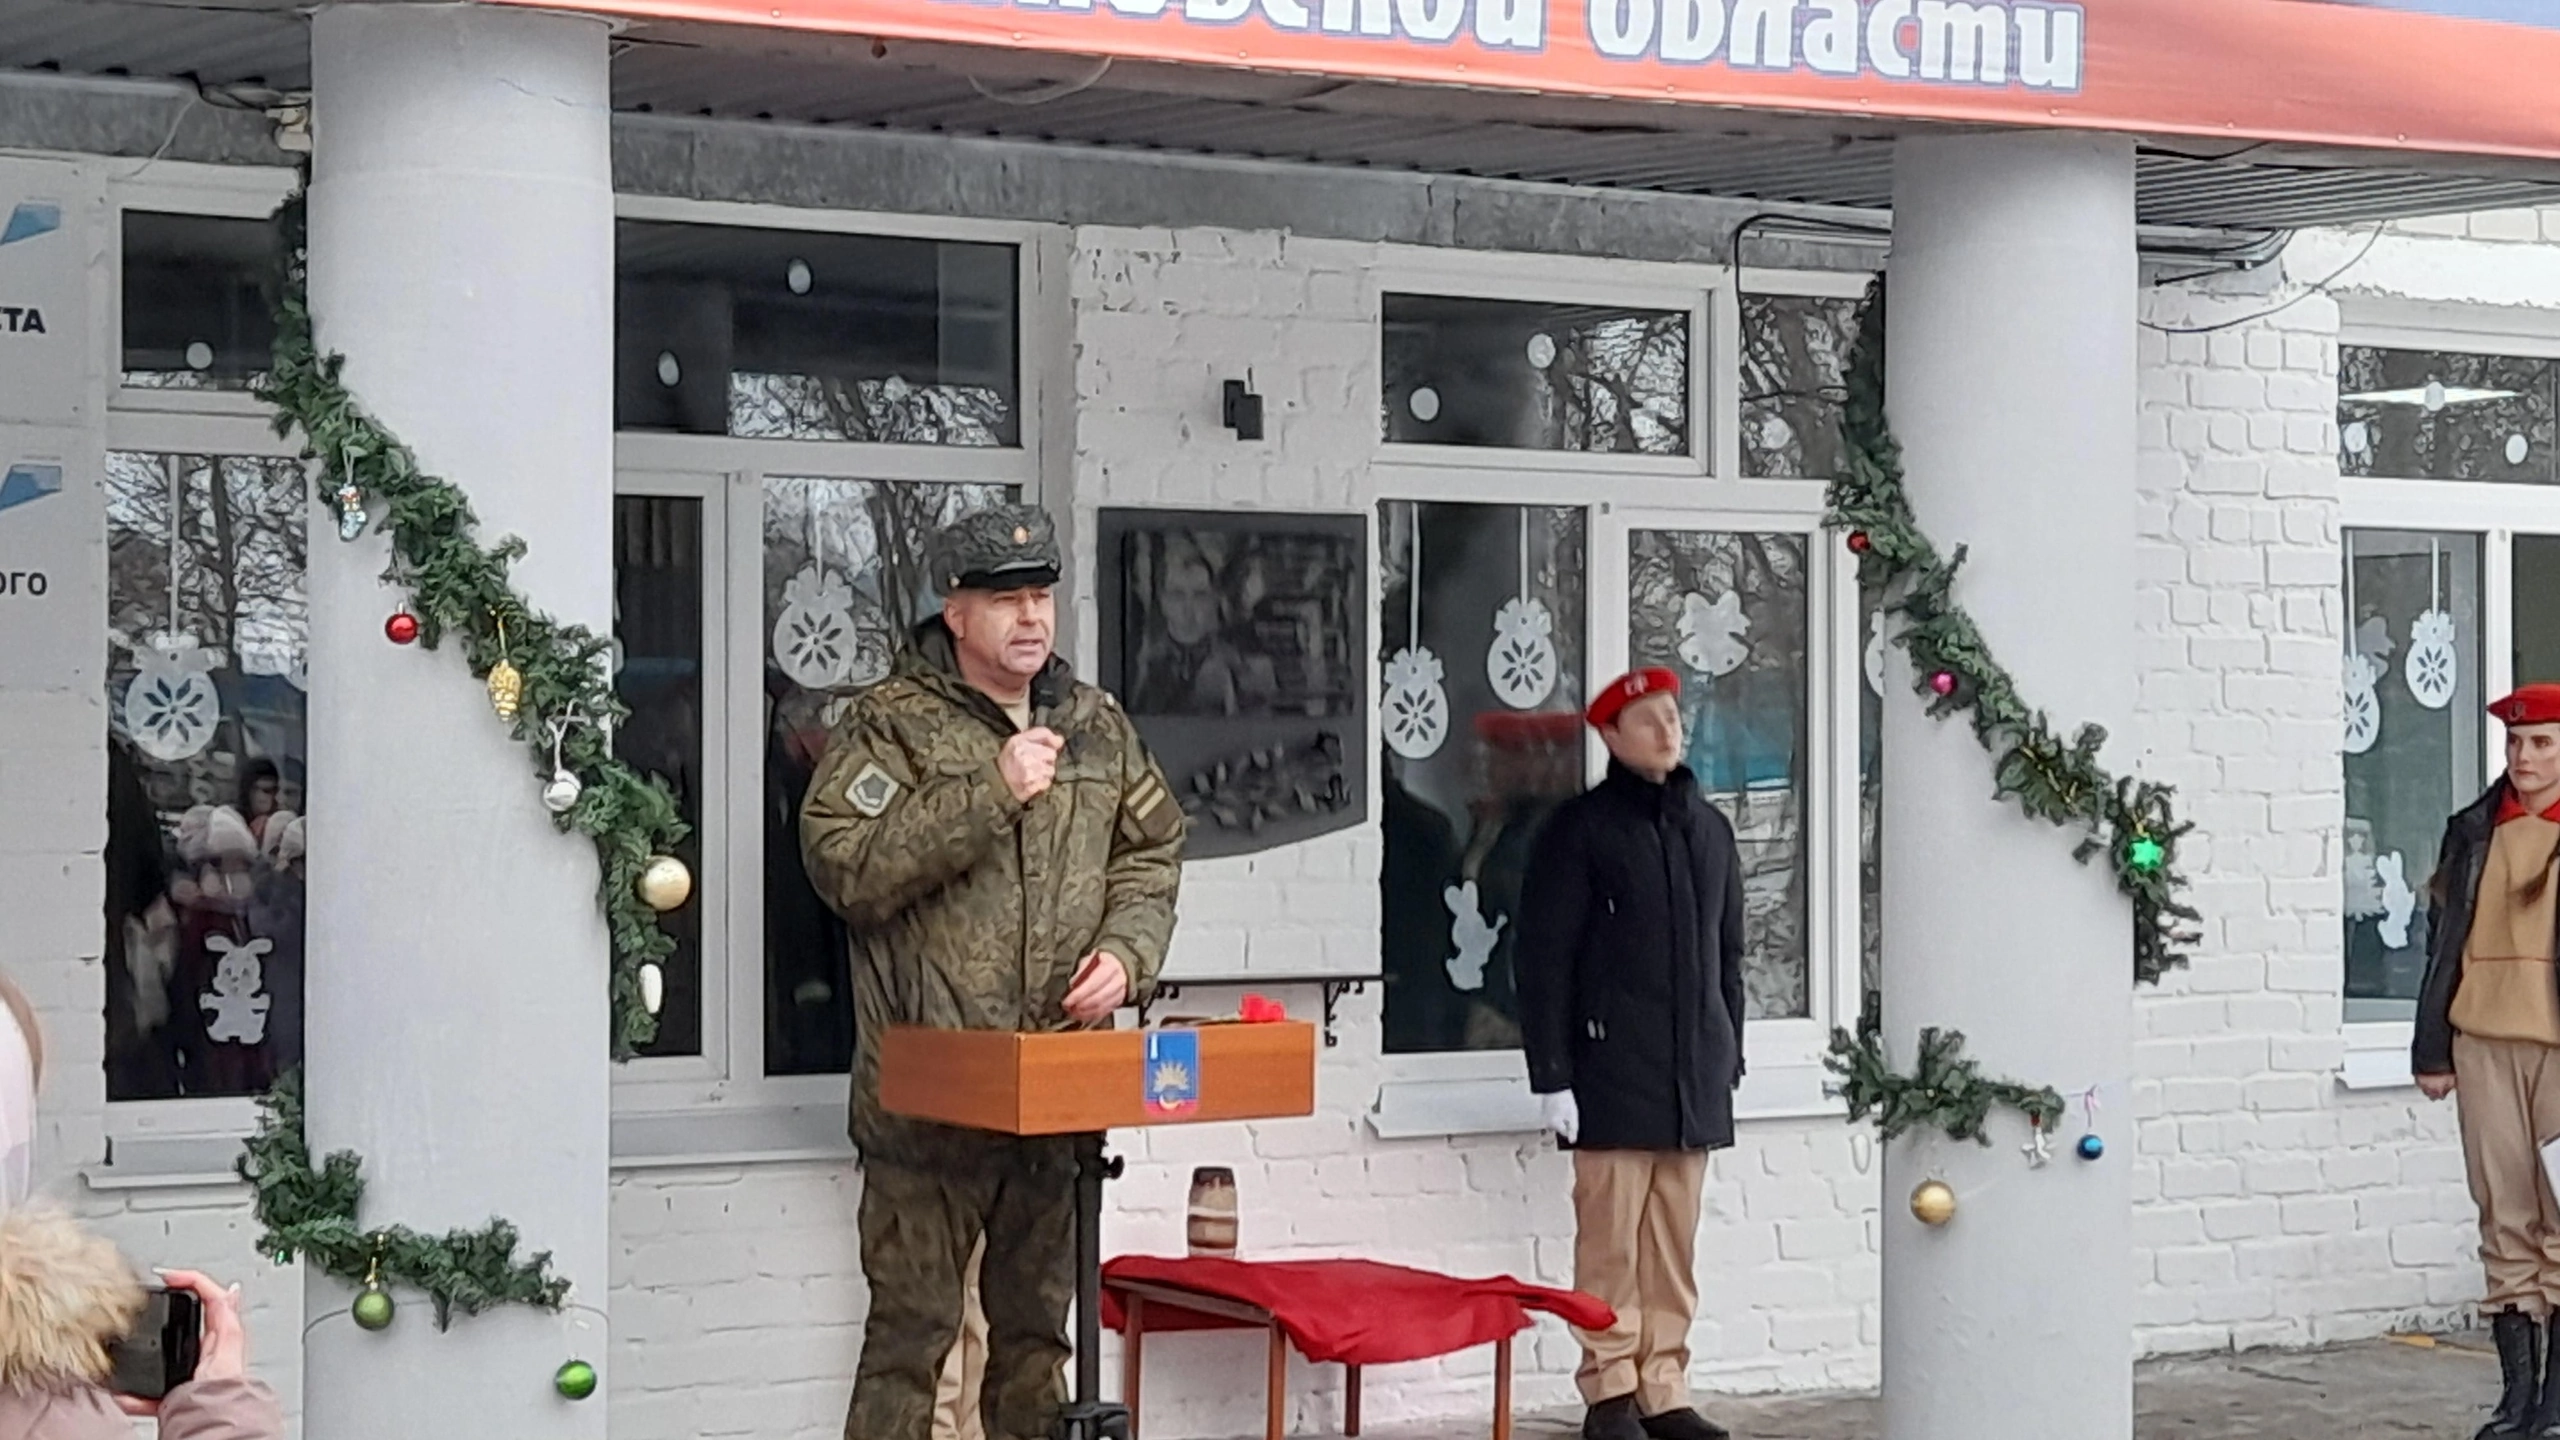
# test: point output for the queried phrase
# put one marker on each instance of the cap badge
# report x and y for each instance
(1021, 535)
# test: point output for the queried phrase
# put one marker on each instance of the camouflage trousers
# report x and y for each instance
(919, 1227)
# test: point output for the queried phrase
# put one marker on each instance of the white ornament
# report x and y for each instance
(2431, 666)
(797, 276)
(561, 795)
(2399, 902)
(1424, 402)
(1472, 934)
(2039, 1146)
(2363, 706)
(653, 987)
(1415, 714)
(1522, 662)
(1542, 350)
(1874, 665)
(171, 708)
(1711, 633)
(2358, 437)
(239, 972)
(2518, 447)
(199, 355)
(814, 640)
(670, 370)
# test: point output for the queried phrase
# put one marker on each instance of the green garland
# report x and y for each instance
(2132, 822)
(1946, 1091)
(460, 587)
(313, 1212)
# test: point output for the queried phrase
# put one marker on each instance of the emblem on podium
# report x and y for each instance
(1173, 1072)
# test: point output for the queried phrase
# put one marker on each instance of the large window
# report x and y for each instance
(1533, 543)
(799, 412)
(2450, 595)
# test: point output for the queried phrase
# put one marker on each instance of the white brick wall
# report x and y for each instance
(2272, 1206)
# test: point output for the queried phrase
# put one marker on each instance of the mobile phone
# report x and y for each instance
(160, 1353)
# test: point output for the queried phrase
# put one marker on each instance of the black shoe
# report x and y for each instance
(1613, 1420)
(2543, 1418)
(1684, 1425)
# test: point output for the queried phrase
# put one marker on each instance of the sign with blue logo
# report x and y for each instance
(1173, 1072)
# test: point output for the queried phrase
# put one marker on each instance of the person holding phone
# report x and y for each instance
(84, 1346)
(1005, 855)
(2489, 1030)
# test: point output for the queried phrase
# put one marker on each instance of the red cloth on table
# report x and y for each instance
(1352, 1312)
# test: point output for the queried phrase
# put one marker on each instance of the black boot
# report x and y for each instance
(1613, 1420)
(2520, 1364)
(2545, 1415)
(2519, 1352)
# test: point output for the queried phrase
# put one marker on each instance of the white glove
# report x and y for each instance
(1562, 1115)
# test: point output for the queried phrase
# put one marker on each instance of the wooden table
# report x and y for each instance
(1135, 1295)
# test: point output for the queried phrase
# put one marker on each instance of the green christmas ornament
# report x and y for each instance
(373, 1308)
(576, 1380)
(2146, 853)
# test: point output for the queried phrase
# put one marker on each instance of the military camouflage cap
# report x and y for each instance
(1010, 547)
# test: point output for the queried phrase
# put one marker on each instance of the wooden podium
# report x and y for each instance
(1083, 1082)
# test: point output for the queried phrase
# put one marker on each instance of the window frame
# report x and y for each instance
(685, 1111)
(2377, 1051)
(194, 1135)
(718, 1108)
(1487, 1092)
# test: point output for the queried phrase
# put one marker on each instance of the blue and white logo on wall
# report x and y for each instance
(30, 219)
(27, 483)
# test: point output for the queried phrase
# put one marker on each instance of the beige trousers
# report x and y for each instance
(1635, 1245)
(956, 1414)
(2509, 1098)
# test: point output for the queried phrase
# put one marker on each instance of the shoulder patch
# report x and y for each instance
(870, 792)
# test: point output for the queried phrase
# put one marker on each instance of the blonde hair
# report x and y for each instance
(24, 1012)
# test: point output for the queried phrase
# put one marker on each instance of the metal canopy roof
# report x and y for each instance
(819, 80)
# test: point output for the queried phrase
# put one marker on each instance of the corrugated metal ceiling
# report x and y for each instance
(817, 80)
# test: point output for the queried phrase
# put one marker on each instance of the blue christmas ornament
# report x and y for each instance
(2091, 1147)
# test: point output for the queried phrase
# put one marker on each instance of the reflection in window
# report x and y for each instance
(844, 581)
(657, 625)
(197, 313)
(1464, 799)
(2412, 744)
(207, 633)
(1525, 376)
(2536, 567)
(1730, 613)
(2429, 415)
(1795, 351)
(808, 335)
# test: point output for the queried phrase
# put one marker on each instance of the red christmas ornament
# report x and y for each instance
(401, 629)
(1859, 543)
(1943, 682)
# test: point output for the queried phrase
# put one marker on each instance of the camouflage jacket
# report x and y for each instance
(968, 909)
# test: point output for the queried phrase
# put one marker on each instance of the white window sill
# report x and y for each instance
(2376, 1070)
(1422, 1109)
(673, 1140)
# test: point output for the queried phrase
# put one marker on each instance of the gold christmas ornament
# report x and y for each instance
(506, 683)
(1933, 1203)
(666, 884)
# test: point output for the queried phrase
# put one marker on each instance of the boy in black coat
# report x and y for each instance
(1629, 959)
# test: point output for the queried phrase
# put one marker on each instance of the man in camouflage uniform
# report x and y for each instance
(1005, 854)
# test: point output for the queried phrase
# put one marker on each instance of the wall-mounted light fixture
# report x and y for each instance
(1243, 411)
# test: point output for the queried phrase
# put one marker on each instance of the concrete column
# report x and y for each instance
(2011, 384)
(462, 259)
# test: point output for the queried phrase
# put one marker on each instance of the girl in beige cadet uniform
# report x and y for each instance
(2489, 1026)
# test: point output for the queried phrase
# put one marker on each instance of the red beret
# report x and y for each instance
(1627, 689)
(2530, 705)
(1529, 729)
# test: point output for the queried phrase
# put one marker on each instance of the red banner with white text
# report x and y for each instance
(2469, 77)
